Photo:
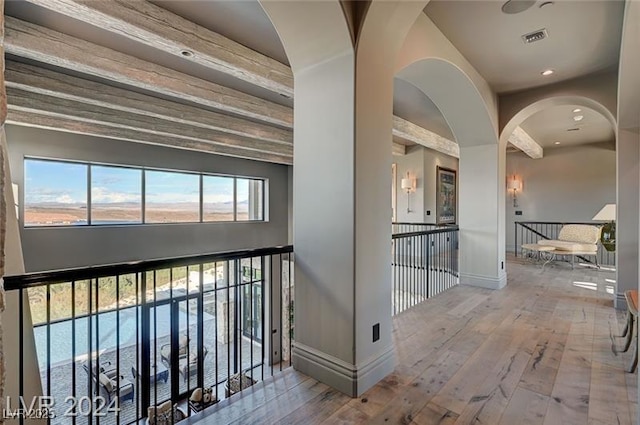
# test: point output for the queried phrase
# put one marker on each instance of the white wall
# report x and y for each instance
(421, 163)
(568, 184)
(55, 248)
(432, 160)
(413, 162)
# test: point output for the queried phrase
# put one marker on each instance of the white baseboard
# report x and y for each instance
(488, 282)
(352, 380)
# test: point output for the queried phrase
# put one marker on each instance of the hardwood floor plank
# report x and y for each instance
(608, 402)
(525, 408)
(404, 407)
(493, 396)
(432, 414)
(541, 371)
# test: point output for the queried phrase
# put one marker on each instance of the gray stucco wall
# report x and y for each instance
(56, 248)
(421, 163)
(567, 184)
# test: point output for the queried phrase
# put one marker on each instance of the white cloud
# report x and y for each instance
(217, 198)
(172, 197)
(65, 199)
(101, 194)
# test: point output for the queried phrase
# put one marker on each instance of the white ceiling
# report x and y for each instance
(583, 37)
(550, 125)
(411, 104)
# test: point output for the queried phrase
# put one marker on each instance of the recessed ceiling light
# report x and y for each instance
(578, 118)
(556, 143)
(516, 6)
(546, 3)
(575, 111)
(547, 72)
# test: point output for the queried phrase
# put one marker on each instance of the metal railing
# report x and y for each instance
(117, 339)
(424, 264)
(400, 227)
(530, 232)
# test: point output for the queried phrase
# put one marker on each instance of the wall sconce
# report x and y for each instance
(408, 184)
(515, 185)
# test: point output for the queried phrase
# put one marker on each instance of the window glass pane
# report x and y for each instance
(171, 197)
(55, 193)
(116, 195)
(249, 199)
(217, 198)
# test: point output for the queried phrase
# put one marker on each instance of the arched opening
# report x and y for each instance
(480, 169)
(574, 178)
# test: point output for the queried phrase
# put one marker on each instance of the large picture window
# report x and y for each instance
(172, 197)
(57, 194)
(249, 194)
(217, 198)
(116, 195)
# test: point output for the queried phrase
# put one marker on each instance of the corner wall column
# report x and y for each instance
(342, 231)
(628, 210)
(481, 217)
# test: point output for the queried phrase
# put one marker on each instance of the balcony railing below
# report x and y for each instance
(114, 340)
(424, 263)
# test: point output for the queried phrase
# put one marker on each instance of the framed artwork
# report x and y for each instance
(447, 196)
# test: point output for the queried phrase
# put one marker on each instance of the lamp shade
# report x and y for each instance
(406, 184)
(607, 213)
(514, 184)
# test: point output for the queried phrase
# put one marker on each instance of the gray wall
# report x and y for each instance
(421, 163)
(55, 248)
(567, 184)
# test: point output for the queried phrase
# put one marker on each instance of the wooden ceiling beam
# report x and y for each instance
(46, 82)
(41, 44)
(37, 120)
(20, 100)
(146, 23)
(523, 141)
(409, 131)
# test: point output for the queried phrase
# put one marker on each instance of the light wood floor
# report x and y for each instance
(536, 352)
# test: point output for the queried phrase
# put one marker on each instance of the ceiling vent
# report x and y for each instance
(573, 129)
(532, 37)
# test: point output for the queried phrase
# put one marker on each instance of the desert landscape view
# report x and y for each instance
(59, 214)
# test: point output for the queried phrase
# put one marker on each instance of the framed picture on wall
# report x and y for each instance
(446, 196)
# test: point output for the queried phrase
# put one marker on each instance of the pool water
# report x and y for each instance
(104, 332)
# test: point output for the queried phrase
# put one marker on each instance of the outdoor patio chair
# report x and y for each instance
(183, 350)
(189, 366)
(105, 367)
(162, 414)
(109, 388)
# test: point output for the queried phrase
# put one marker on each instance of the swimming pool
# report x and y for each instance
(104, 327)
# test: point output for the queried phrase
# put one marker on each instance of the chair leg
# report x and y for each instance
(629, 333)
(634, 361)
(626, 325)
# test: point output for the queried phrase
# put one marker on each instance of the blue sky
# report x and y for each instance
(48, 181)
(112, 184)
(59, 182)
